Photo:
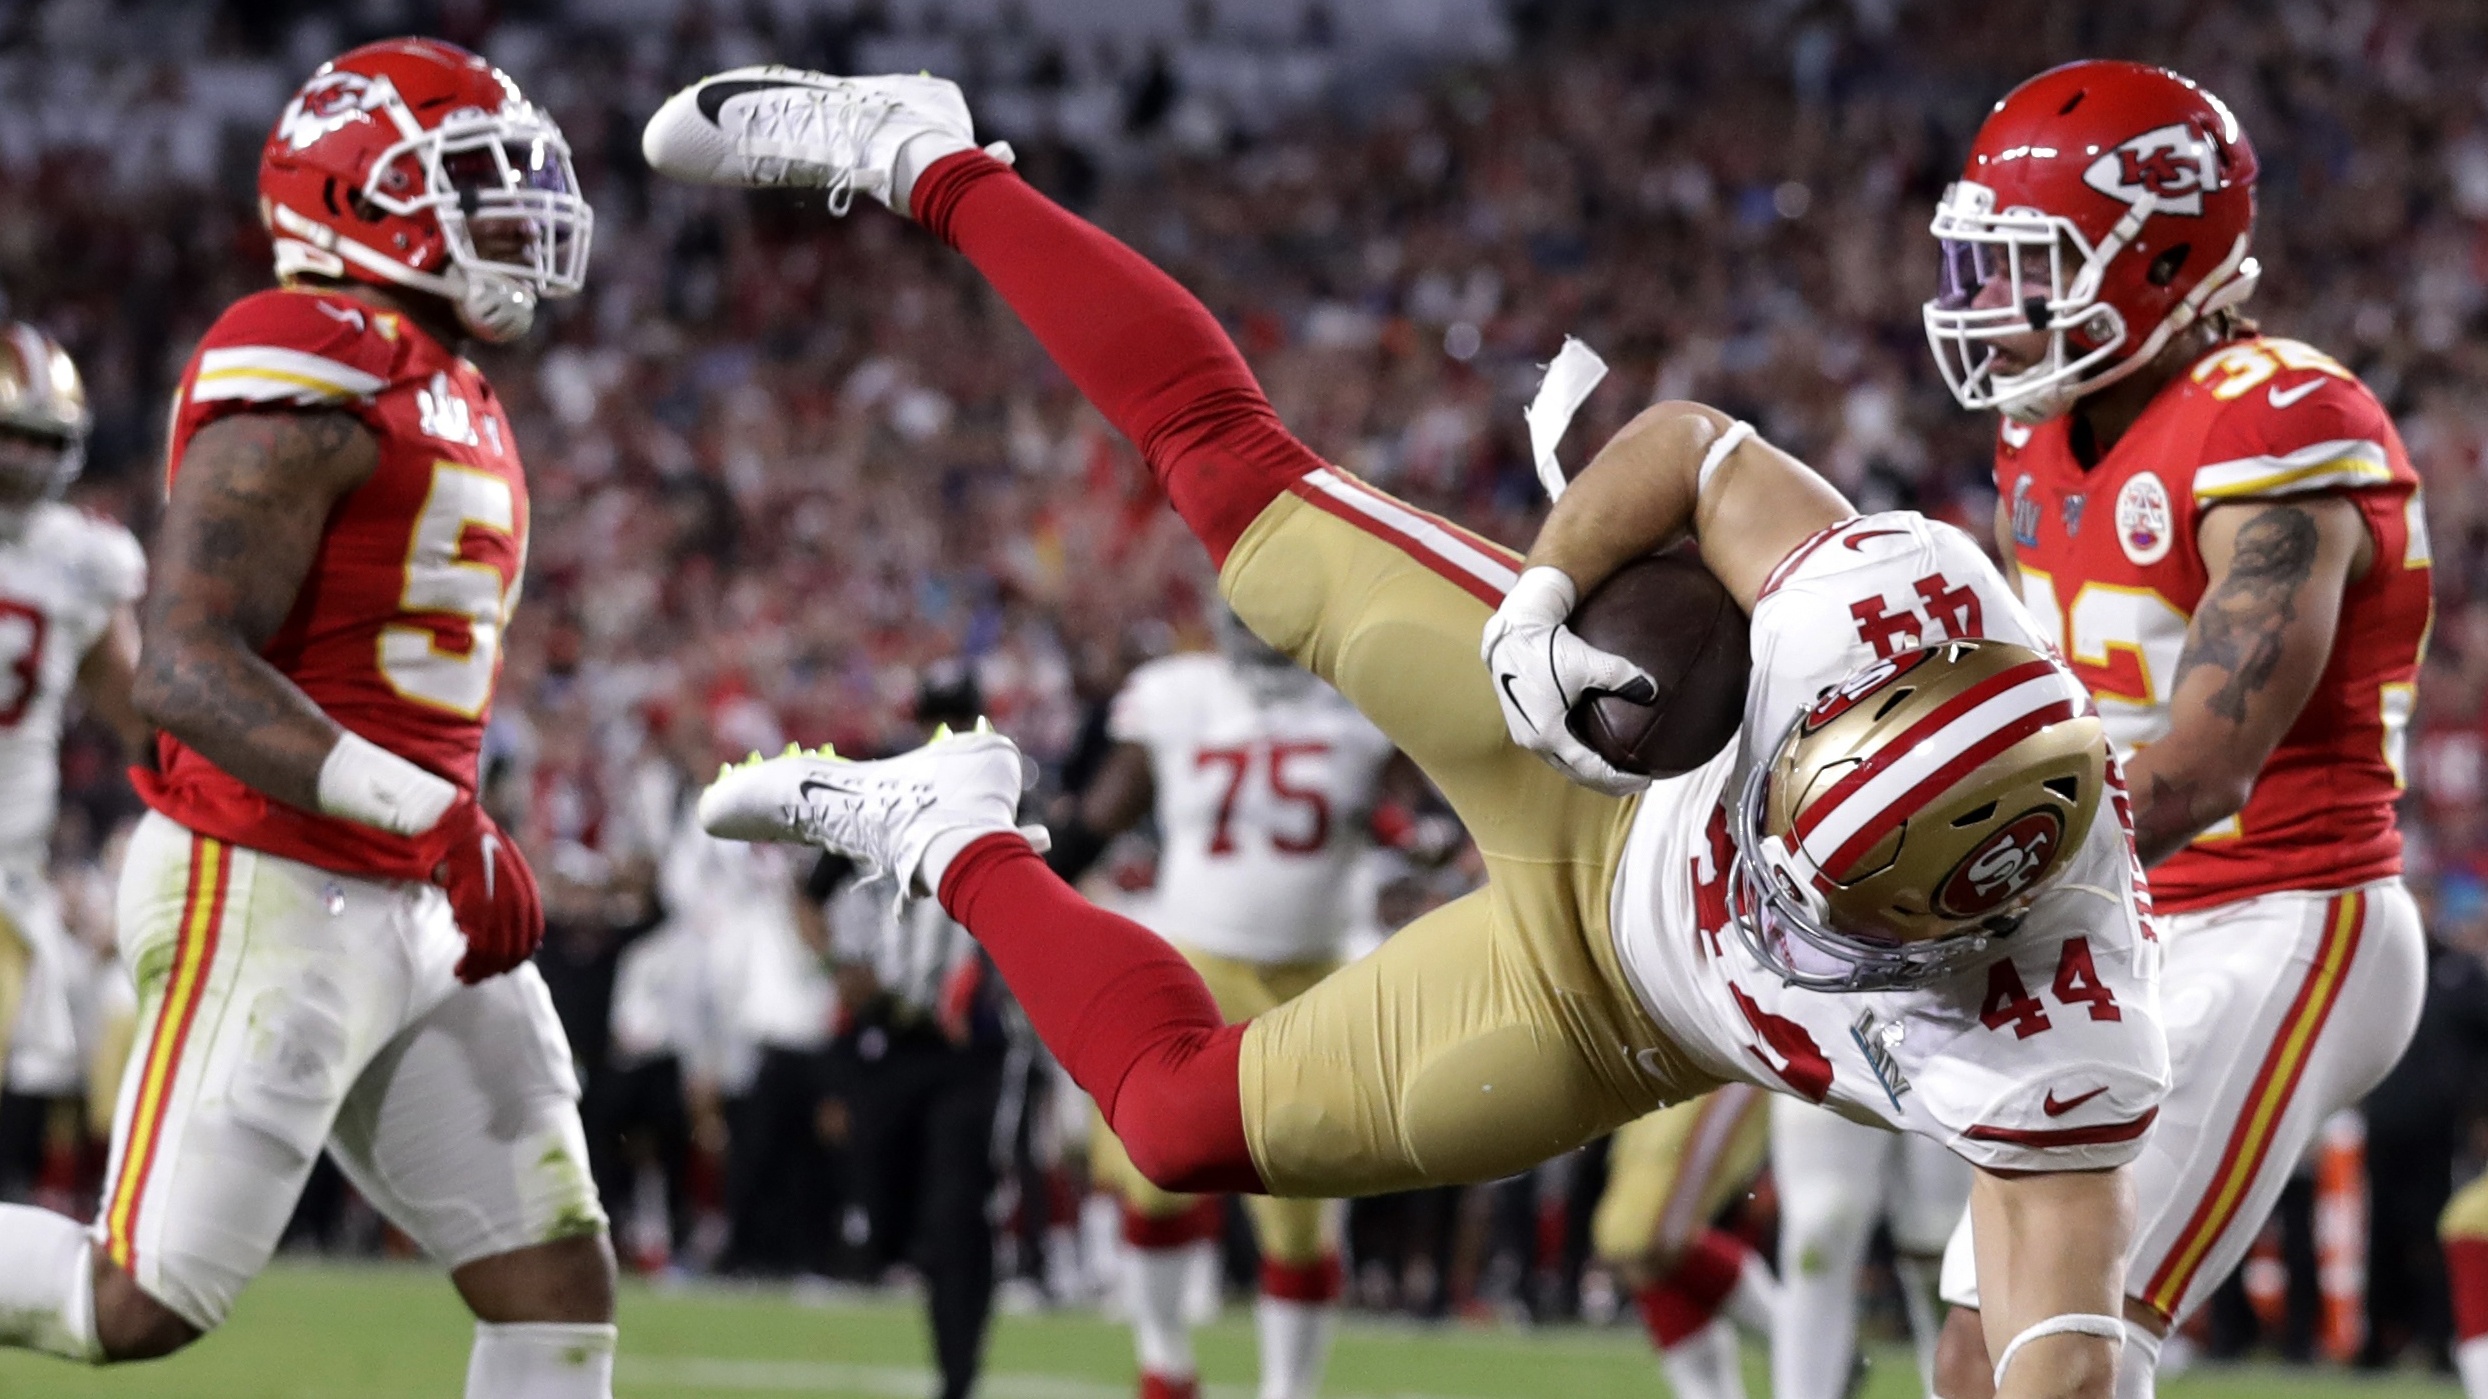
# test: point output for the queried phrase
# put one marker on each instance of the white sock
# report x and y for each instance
(2138, 1364)
(2470, 1358)
(1203, 1288)
(541, 1360)
(1918, 1277)
(1810, 1355)
(1705, 1365)
(1295, 1346)
(1154, 1291)
(47, 1288)
(1754, 1303)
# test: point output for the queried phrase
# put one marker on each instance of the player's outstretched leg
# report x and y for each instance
(2464, 1229)
(1141, 348)
(1125, 1013)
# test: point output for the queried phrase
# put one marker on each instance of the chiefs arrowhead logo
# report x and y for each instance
(2173, 166)
(331, 102)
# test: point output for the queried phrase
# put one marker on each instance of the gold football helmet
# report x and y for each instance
(43, 417)
(1908, 816)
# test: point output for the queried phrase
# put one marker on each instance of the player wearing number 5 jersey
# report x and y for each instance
(328, 932)
(1263, 781)
(2220, 532)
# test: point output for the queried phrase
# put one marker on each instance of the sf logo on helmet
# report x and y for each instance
(332, 102)
(2170, 165)
(2003, 865)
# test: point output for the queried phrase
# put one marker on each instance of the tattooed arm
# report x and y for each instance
(2260, 640)
(248, 508)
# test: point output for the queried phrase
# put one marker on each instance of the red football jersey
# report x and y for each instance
(396, 631)
(2110, 570)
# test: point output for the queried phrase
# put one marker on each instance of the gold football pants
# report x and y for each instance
(1670, 1172)
(1295, 1232)
(1498, 1030)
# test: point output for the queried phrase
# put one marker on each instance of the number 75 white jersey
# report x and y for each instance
(2048, 1057)
(61, 580)
(1264, 794)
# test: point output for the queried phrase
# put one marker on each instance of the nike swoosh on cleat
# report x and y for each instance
(804, 788)
(715, 96)
(2054, 1108)
(2283, 398)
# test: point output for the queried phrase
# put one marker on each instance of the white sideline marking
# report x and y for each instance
(886, 1381)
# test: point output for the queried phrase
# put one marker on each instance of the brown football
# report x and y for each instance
(1672, 617)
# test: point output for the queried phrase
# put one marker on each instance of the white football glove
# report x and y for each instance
(1541, 668)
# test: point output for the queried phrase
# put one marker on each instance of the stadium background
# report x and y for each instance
(783, 465)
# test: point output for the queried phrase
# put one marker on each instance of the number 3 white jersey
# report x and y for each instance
(2050, 1056)
(61, 579)
(1263, 801)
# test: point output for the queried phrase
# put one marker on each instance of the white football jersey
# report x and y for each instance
(1263, 803)
(60, 581)
(2049, 1056)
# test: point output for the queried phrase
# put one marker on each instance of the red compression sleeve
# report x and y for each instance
(1126, 1014)
(1146, 352)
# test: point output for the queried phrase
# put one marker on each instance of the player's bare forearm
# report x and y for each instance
(241, 529)
(105, 677)
(2260, 640)
(2052, 1244)
(1643, 490)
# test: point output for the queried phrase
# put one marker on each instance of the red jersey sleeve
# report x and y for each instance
(290, 348)
(2304, 425)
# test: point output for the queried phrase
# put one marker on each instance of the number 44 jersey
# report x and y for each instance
(2048, 1056)
(396, 629)
(2110, 569)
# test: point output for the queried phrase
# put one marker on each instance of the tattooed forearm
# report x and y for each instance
(2168, 814)
(243, 526)
(2240, 626)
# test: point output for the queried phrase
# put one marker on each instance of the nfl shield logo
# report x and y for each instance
(2072, 508)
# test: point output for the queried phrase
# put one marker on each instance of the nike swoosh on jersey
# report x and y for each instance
(1853, 540)
(2283, 398)
(715, 96)
(2054, 1108)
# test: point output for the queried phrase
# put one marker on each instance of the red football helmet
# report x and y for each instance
(415, 162)
(2106, 206)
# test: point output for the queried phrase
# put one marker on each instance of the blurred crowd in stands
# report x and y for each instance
(782, 464)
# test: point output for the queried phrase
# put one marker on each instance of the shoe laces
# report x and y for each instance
(838, 122)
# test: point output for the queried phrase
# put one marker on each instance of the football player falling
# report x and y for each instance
(1263, 781)
(69, 589)
(1920, 822)
(2219, 531)
(329, 935)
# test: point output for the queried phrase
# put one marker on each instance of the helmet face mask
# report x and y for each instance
(1907, 819)
(2104, 207)
(480, 206)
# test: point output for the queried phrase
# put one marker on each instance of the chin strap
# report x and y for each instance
(2107, 1328)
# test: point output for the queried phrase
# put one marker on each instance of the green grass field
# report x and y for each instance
(312, 1332)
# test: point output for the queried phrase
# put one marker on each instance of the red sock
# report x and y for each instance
(1682, 1303)
(1318, 1282)
(1124, 1012)
(2466, 1267)
(1144, 350)
(1169, 1387)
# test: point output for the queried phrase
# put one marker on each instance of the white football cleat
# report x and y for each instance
(883, 814)
(780, 127)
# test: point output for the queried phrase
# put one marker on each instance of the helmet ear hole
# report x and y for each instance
(2070, 788)
(2167, 265)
